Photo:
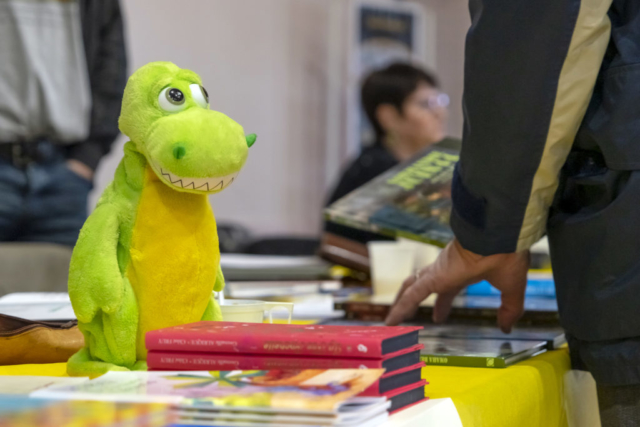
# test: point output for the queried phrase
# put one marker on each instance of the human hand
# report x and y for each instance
(457, 268)
(80, 169)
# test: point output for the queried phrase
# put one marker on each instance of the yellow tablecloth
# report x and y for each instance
(528, 394)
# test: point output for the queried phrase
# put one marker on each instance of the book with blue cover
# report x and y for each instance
(539, 284)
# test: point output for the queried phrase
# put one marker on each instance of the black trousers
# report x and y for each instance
(594, 236)
(619, 405)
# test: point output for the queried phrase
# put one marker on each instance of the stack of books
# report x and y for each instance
(230, 346)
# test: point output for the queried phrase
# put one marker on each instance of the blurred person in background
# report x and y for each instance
(408, 114)
(62, 75)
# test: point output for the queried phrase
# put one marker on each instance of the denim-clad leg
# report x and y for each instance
(56, 203)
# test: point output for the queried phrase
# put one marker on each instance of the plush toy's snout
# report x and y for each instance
(197, 149)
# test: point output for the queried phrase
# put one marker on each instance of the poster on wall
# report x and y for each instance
(383, 32)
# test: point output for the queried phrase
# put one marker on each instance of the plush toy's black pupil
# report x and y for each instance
(206, 94)
(176, 96)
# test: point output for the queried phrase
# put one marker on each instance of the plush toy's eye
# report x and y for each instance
(200, 95)
(171, 99)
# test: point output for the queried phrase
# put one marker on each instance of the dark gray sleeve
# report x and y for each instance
(530, 69)
(106, 60)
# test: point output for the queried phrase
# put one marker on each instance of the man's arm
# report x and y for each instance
(530, 70)
(107, 76)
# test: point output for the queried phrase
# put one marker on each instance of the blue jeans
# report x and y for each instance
(46, 202)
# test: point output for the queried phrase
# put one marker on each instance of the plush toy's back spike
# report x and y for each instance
(251, 139)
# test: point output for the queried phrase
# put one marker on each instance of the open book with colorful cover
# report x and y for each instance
(303, 397)
(411, 200)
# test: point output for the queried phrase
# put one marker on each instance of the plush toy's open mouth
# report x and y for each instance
(200, 184)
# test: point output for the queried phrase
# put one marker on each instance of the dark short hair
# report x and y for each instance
(391, 85)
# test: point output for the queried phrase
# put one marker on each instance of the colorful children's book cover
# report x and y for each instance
(25, 384)
(302, 390)
(21, 411)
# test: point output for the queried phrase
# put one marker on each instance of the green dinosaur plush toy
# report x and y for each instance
(148, 256)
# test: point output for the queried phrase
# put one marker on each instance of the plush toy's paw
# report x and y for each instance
(140, 365)
(213, 311)
(82, 365)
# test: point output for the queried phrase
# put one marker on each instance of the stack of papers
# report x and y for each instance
(38, 306)
(261, 289)
(237, 267)
(307, 305)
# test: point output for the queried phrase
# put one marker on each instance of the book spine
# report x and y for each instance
(160, 360)
(465, 361)
(283, 344)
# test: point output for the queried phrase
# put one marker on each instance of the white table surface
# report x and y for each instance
(432, 413)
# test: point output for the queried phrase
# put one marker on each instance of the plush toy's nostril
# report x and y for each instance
(179, 152)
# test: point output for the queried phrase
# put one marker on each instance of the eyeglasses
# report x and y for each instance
(434, 102)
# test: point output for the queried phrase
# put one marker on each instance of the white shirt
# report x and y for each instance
(44, 83)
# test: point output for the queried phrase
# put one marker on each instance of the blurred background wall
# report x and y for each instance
(276, 67)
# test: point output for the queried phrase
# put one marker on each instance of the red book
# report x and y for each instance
(406, 396)
(394, 380)
(365, 342)
(178, 361)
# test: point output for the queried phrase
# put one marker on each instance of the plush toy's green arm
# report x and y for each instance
(213, 312)
(219, 285)
(95, 281)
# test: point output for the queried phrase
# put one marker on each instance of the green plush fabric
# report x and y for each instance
(108, 284)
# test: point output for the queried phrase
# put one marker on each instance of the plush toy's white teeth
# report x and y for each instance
(202, 184)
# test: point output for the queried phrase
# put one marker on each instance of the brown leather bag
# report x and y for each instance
(24, 341)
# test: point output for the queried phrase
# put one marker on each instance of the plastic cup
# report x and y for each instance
(391, 263)
(251, 311)
(424, 253)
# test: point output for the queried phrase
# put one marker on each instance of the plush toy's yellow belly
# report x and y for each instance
(174, 257)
